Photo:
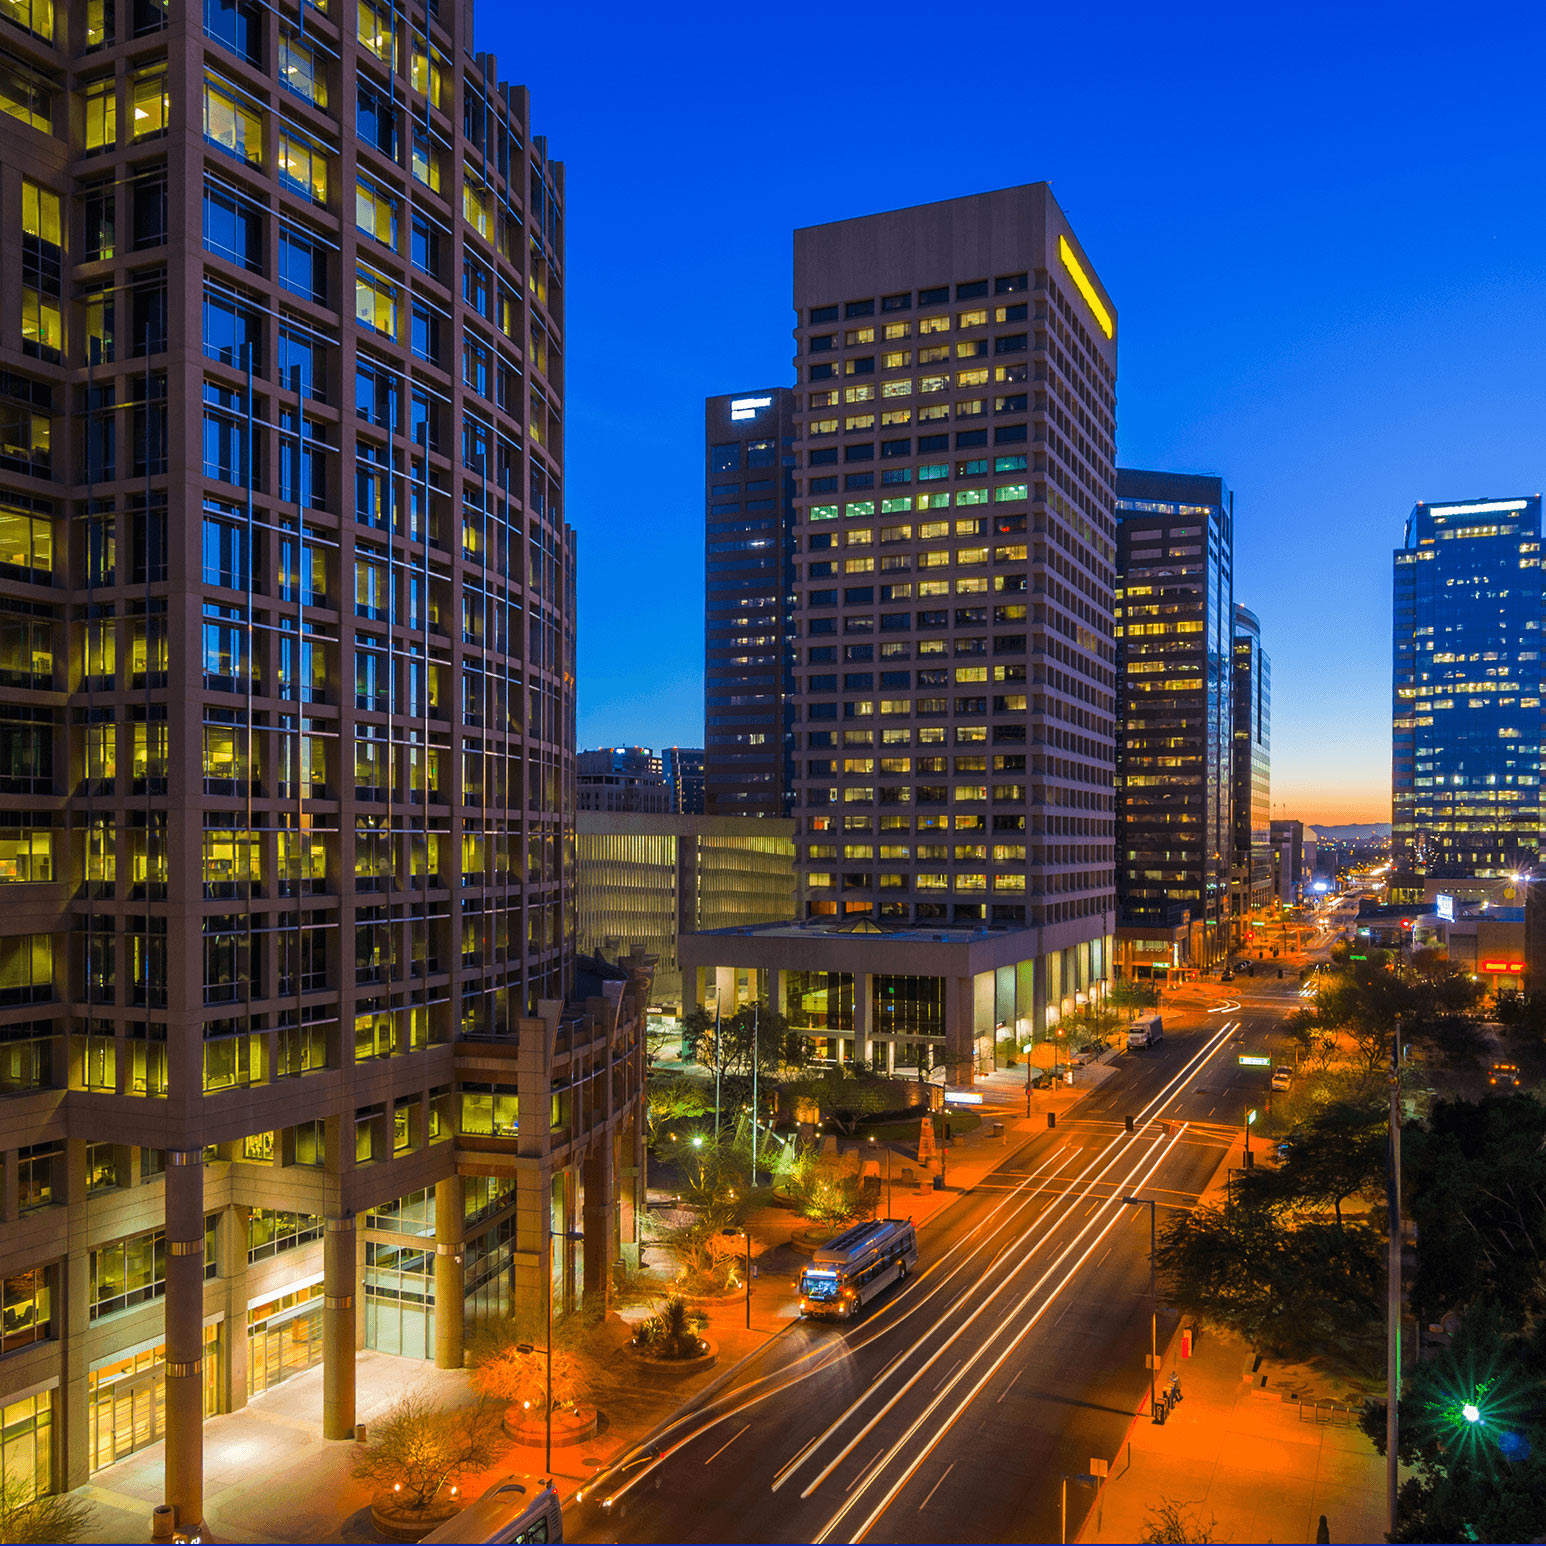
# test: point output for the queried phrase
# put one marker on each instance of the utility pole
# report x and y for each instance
(719, 1063)
(1393, 1285)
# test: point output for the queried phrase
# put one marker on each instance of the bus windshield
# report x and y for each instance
(815, 1283)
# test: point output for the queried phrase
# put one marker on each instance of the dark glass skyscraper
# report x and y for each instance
(748, 605)
(1175, 737)
(1252, 766)
(1466, 689)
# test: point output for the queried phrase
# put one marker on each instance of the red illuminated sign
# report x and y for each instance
(1503, 966)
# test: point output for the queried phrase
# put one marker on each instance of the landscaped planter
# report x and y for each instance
(570, 1425)
(675, 1368)
(397, 1523)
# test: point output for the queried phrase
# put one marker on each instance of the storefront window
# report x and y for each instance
(284, 1336)
(27, 1444)
(399, 1299)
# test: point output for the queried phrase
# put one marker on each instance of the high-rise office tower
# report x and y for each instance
(749, 483)
(286, 717)
(621, 778)
(954, 692)
(683, 767)
(1252, 765)
(1175, 737)
(1466, 689)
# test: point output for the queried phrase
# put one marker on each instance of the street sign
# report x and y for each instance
(1254, 1060)
(1100, 1468)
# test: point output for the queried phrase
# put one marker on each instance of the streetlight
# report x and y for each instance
(1250, 1117)
(888, 1176)
(1129, 1202)
(526, 1347)
(730, 1234)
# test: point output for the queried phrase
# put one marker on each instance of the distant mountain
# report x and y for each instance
(1351, 832)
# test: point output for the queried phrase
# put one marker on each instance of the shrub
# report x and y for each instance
(672, 1332)
(418, 1449)
(50, 1516)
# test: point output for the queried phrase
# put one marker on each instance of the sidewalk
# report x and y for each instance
(1245, 1457)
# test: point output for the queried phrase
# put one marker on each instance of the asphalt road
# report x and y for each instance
(953, 1407)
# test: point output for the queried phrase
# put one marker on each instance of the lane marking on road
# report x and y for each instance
(726, 1445)
(992, 1369)
(819, 1359)
(946, 1375)
(858, 1438)
(864, 1476)
(940, 1483)
(1009, 1387)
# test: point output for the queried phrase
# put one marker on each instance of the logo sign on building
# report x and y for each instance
(748, 407)
(962, 1098)
(1445, 905)
(1503, 966)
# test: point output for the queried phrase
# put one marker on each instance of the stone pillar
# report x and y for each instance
(339, 1271)
(599, 1219)
(450, 1273)
(1039, 972)
(959, 1011)
(184, 1227)
(231, 1250)
(864, 1030)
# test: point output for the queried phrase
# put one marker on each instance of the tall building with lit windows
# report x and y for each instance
(748, 678)
(1466, 689)
(954, 708)
(1252, 766)
(286, 722)
(1175, 737)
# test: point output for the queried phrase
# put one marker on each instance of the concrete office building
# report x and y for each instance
(648, 879)
(621, 778)
(1175, 742)
(954, 692)
(1290, 866)
(1466, 690)
(286, 722)
(1251, 767)
(683, 767)
(748, 681)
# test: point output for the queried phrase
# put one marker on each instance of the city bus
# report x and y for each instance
(522, 1509)
(860, 1263)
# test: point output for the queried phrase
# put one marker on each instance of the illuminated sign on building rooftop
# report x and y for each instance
(748, 407)
(1086, 289)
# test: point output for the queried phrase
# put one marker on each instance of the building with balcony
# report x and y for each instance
(293, 1060)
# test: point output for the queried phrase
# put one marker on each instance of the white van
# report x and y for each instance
(1145, 1031)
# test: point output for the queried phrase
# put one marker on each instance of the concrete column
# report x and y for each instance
(863, 1028)
(338, 1328)
(959, 1007)
(450, 1273)
(73, 1463)
(185, 1336)
(599, 1219)
(231, 1250)
(1039, 1001)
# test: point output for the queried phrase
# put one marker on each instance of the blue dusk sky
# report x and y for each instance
(1323, 228)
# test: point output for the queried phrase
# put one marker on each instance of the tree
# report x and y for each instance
(753, 1036)
(672, 1332)
(49, 1516)
(674, 1100)
(1473, 1435)
(1292, 1289)
(1476, 1174)
(1176, 1524)
(419, 1449)
(1130, 994)
(1338, 1153)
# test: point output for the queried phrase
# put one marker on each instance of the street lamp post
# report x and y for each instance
(526, 1347)
(1153, 1306)
(730, 1234)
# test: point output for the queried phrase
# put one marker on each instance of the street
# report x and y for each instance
(952, 1409)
